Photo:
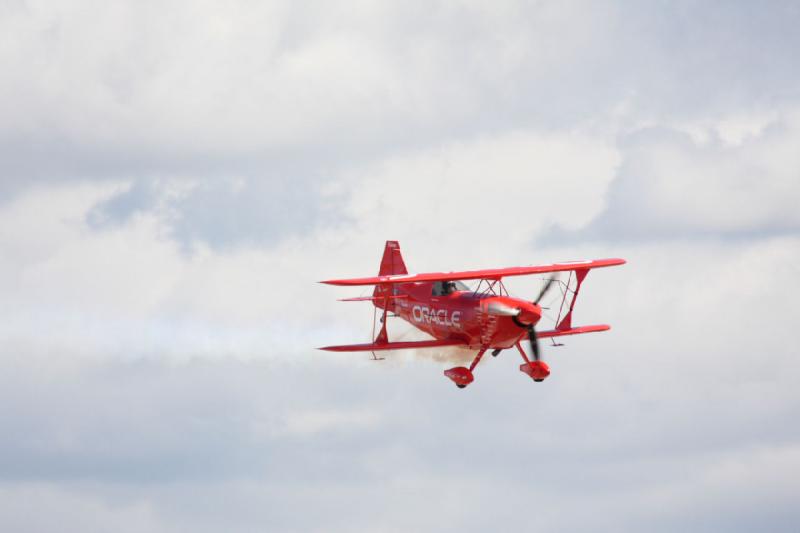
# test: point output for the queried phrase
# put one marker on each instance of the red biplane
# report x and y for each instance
(484, 318)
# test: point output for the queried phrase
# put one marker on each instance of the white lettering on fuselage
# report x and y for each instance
(443, 317)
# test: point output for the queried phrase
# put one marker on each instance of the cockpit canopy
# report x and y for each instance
(443, 288)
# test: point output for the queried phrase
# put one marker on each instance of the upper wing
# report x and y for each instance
(492, 273)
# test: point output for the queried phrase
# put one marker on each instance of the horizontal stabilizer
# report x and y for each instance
(572, 331)
(374, 347)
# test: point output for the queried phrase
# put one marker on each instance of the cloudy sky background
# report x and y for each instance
(175, 176)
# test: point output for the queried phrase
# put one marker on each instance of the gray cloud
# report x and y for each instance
(221, 212)
(287, 437)
(671, 186)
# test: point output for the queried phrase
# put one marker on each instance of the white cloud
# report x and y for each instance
(464, 194)
(176, 176)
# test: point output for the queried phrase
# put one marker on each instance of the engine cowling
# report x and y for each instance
(537, 370)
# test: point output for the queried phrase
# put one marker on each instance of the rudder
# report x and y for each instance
(392, 262)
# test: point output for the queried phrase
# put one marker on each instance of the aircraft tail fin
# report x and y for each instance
(392, 262)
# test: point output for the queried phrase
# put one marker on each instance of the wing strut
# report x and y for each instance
(383, 336)
(566, 322)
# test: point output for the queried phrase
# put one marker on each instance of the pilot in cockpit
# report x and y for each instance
(448, 287)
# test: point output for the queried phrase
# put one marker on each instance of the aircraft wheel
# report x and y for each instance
(538, 380)
(460, 386)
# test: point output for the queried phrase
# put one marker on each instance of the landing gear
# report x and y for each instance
(536, 369)
(496, 351)
(462, 376)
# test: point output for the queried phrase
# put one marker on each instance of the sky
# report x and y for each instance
(176, 176)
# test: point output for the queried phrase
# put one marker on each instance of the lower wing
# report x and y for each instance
(433, 343)
(572, 331)
(373, 347)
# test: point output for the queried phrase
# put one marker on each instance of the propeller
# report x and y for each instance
(531, 336)
(545, 289)
(531, 330)
(534, 342)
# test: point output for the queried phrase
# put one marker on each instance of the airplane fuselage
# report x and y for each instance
(460, 315)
